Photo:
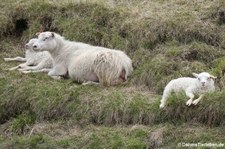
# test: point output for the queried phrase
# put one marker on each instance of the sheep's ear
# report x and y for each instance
(195, 74)
(212, 77)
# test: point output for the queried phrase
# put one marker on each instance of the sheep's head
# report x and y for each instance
(205, 79)
(29, 45)
(46, 42)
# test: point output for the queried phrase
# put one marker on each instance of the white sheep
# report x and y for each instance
(200, 85)
(83, 62)
(34, 61)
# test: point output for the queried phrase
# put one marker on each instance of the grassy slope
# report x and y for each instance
(165, 39)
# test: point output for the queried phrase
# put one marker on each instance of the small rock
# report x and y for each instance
(156, 137)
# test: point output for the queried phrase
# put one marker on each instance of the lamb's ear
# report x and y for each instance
(37, 33)
(53, 35)
(212, 77)
(195, 74)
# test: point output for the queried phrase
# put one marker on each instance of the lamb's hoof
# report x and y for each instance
(11, 69)
(25, 72)
(195, 102)
(161, 106)
(6, 59)
(189, 102)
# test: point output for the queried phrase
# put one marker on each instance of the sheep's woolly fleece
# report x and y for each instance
(84, 62)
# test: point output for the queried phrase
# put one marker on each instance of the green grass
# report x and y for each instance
(136, 136)
(165, 40)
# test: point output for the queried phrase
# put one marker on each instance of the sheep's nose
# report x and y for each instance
(203, 83)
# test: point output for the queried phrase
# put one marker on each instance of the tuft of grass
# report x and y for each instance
(21, 122)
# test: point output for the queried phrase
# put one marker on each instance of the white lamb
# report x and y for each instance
(83, 62)
(202, 84)
(34, 61)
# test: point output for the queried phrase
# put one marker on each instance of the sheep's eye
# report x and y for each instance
(199, 79)
(208, 78)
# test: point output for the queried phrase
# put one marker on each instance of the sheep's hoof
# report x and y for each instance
(90, 83)
(189, 102)
(195, 102)
(56, 77)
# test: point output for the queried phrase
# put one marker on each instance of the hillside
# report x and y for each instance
(165, 39)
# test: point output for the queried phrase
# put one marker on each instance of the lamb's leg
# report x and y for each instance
(27, 68)
(20, 59)
(42, 70)
(19, 66)
(34, 71)
(40, 66)
(14, 68)
(195, 102)
(191, 96)
(165, 96)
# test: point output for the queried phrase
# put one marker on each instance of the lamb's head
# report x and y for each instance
(46, 42)
(29, 45)
(205, 80)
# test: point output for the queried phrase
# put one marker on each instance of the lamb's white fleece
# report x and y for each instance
(202, 84)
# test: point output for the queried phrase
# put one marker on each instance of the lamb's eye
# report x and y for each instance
(199, 79)
(208, 78)
(45, 38)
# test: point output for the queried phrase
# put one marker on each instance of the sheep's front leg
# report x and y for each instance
(195, 102)
(20, 59)
(90, 83)
(57, 72)
(53, 72)
(191, 96)
(56, 77)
